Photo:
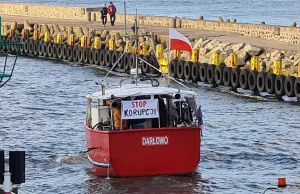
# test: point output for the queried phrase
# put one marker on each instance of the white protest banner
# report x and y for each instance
(140, 109)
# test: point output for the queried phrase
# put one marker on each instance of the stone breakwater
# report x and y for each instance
(26, 30)
(289, 34)
(273, 71)
(77, 44)
(105, 49)
(206, 47)
(289, 59)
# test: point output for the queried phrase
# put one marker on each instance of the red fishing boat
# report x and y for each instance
(141, 128)
(161, 135)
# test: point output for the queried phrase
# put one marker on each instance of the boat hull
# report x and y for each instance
(146, 152)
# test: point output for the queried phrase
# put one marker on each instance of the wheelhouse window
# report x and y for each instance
(141, 112)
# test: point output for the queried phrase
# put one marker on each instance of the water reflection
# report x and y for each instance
(159, 185)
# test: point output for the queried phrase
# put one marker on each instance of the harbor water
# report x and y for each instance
(254, 11)
(247, 144)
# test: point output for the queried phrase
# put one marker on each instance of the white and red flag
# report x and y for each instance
(179, 42)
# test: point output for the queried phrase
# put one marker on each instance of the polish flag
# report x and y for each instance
(179, 42)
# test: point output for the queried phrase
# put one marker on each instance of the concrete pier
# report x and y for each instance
(221, 36)
(266, 36)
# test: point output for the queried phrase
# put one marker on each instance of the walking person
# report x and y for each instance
(112, 13)
(104, 14)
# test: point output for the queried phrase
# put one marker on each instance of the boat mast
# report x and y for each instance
(169, 53)
(125, 34)
(137, 46)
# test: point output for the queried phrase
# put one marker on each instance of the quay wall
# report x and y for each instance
(287, 34)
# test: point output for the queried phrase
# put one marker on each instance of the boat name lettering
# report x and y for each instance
(148, 141)
(140, 109)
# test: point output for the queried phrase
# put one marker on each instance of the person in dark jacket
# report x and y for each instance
(112, 13)
(104, 12)
(162, 115)
(199, 116)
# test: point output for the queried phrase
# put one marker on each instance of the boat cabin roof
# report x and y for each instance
(134, 90)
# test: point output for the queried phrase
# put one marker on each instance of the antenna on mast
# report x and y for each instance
(136, 44)
(125, 33)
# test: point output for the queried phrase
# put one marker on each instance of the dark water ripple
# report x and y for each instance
(247, 144)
